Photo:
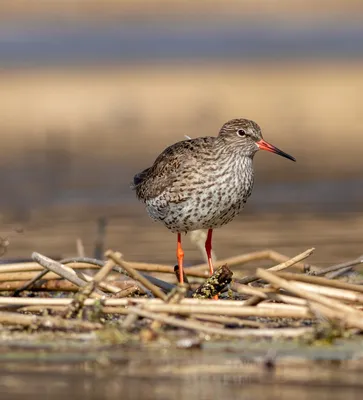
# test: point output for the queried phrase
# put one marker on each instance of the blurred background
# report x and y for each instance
(92, 91)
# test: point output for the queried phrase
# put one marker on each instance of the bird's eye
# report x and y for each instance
(241, 133)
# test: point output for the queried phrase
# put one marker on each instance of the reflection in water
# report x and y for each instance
(109, 385)
(232, 369)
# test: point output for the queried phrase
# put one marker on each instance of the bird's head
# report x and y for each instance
(247, 136)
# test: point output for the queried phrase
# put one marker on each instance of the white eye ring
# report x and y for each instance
(241, 133)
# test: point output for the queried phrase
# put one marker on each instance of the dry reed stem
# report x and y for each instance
(10, 318)
(30, 283)
(62, 285)
(229, 320)
(51, 285)
(320, 281)
(271, 312)
(103, 272)
(27, 276)
(253, 301)
(217, 307)
(286, 264)
(237, 260)
(336, 274)
(34, 266)
(255, 256)
(113, 288)
(62, 271)
(113, 301)
(292, 288)
(252, 291)
(128, 291)
(242, 333)
(297, 301)
(136, 275)
(341, 294)
(166, 269)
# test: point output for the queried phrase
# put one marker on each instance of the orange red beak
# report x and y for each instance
(263, 145)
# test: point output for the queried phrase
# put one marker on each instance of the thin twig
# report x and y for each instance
(337, 267)
(344, 271)
(27, 285)
(286, 264)
(85, 260)
(256, 256)
(128, 291)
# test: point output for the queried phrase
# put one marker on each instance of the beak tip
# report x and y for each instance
(263, 145)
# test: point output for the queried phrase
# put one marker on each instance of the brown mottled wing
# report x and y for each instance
(171, 171)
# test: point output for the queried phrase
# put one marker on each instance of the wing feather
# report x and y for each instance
(170, 170)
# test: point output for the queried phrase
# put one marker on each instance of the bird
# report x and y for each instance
(204, 182)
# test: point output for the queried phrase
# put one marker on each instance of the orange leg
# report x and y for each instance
(208, 249)
(180, 257)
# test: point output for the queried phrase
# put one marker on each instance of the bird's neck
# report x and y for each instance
(227, 150)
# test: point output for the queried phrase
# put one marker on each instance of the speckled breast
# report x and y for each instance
(211, 204)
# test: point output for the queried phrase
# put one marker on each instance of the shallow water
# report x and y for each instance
(218, 370)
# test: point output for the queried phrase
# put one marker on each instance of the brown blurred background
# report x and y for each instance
(92, 91)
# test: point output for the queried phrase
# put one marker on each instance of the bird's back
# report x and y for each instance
(171, 170)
